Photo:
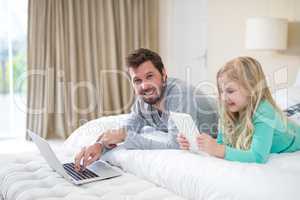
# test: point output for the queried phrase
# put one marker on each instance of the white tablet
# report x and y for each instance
(187, 127)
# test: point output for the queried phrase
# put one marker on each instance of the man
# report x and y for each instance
(148, 126)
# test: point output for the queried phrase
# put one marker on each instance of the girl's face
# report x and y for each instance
(233, 95)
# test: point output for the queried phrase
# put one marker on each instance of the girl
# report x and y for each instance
(251, 125)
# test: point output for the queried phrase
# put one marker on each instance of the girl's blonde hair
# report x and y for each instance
(238, 127)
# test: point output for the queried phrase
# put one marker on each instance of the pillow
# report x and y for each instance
(297, 82)
(288, 99)
(90, 131)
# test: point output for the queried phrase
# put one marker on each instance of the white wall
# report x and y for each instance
(183, 38)
(183, 42)
(226, 38)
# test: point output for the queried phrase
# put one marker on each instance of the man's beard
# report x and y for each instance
(159, 95)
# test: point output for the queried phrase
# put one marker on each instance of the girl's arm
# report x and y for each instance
(265, 121)
(260, 148)
(258, 152)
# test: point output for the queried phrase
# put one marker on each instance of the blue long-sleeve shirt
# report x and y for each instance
(149, 129)
(270, 136)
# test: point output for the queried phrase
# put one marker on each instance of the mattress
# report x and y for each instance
(28, 177)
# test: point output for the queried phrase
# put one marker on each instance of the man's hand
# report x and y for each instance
(209, 145)
(183, 142)
(92, 153)
(112, 137)
(88, 155)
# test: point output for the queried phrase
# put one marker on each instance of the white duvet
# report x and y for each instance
(204, 177)
(200, 177)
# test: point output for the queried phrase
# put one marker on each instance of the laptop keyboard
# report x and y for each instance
(85, 174)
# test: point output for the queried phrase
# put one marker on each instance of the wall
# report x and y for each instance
(226, 28)
(183, 38)
(225, 23)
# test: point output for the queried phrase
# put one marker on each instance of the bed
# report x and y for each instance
(28, 177)
(150, 174)
(203, 177)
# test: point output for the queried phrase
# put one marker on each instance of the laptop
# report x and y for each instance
(187, 127)
(98, 170)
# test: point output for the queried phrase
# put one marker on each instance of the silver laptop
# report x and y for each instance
(98, 170)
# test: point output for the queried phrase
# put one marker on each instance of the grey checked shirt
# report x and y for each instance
(149, 129)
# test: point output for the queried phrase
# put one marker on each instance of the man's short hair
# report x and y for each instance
(141, 55)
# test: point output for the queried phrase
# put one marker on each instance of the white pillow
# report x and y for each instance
(297, 82)
(287, 97)
(90, 131)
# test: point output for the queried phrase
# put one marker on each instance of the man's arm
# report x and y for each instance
(153, 140)
(141, 136)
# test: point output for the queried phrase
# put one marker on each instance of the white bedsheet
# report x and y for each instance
(203, 177)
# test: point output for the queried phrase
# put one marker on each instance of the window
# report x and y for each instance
(13, 38)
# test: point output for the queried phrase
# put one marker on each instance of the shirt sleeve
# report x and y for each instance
(142, 136)
(260, 148)
(152, 140)
(147, 137)
(220, 138)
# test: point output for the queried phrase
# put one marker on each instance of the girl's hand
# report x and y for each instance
(209, 145)
(183, 142)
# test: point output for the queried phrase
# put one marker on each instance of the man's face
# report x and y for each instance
(148, 82)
